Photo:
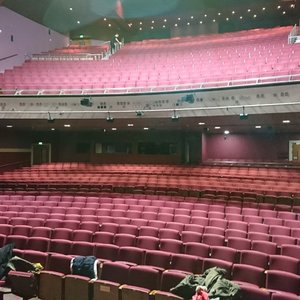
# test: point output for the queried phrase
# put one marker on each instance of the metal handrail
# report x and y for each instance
(154, 89)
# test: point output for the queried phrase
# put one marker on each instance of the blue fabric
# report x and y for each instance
(84, 266)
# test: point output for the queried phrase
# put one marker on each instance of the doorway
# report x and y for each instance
(294, 151)
(40, 153)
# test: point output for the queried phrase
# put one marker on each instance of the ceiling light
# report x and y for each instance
(104, 19)
(141, 23)
(278, 7)
(200, 22)
(78, 22)
(286, 121)
(241, 17)
(81, 36)
(130, 125)
(114, 129)
(192, 17)
(227, 19)
(52, 129)
(217, 127)
(205, 15)
(283, 12)
(152, 27)
(165, 20)
(219, 14)
(249, 10)
(9, 126)
(141, 28)
(263, 8)
(152, 22)
(214, 20)
(254, 16)
(226, 132)
(178, 19)
(67, 125)
(233, 12)
(292, 6)
(257, 126)
(146, 128)
(71, 8)
(176, 25)
(201, 123)
(188, 24)
(40, 143)
(164, 26)
(109, 25)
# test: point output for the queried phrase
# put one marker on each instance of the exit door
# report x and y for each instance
(296, 152)
(40, 154)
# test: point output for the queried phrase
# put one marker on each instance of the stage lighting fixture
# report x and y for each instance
(109, 118)
(139, 113)
(175, 117)
(243, 115)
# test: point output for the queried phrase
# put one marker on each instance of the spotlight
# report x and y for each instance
(243, 115)
(139, 113)
(109, 118)
(50, 120)
(86, 102)
(175, 117)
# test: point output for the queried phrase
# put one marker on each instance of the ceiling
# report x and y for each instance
(99, 19)
(270, 124)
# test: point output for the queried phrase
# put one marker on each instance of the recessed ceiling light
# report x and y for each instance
(226, 132)
(78, 22)
(152, 22)
(164, 26)
(263, 8)
(292, 6)
(201, 123)
(233, 12)
(258, 126)
(152, 27)
(214, 20)
(0, 30)
(286, 121)
(109, 25)
(141, 28)
(52, 129)
(104, 19)
(176, 25)
(188, 24)
(114, 129)
(81, 36)
(254, 16)
(219, 14)
(71, 8)
(217, 127)
(205, 15)
(200, 22)
(130, 125)
(67, 125)
(278, 7)
(241, 17)
(146, 128)
(284, 12)
(192, 17)
(40, 143)
(249, 10)
(9, 126)
(165, 20)
(141, 23)
(227, 19)
(178, 19)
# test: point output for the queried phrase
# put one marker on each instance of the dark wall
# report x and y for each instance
(257, 147)
(161, 147)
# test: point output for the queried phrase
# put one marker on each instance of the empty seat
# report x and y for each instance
(248, 274)
(199, 249)
(254, 258)
(160, 259)
(264, 246)
(147, 242)
(284, 263)
(186, 262)
(169, 245)
(131, 255)
(222, 252)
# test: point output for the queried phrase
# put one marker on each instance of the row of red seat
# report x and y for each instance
(122, 279)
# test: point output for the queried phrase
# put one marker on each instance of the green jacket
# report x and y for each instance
(213, 279)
